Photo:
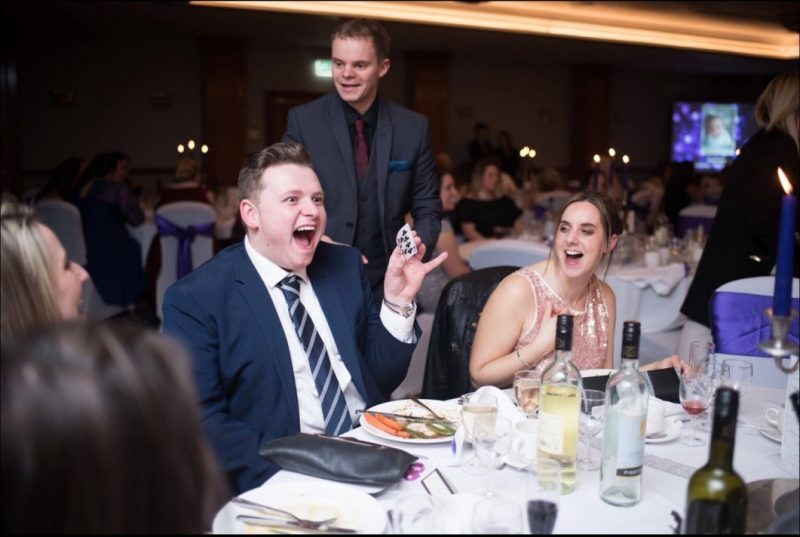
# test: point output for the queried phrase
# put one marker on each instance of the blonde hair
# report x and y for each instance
(26, 287)
(777, 107)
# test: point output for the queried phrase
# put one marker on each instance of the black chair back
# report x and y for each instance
(454, 326)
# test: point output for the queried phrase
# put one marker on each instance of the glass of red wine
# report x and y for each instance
(696, 391)
(542, 494)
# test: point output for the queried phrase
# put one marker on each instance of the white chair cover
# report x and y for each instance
(507, 252)
(65, 221)
(696, 215)
(182, 213)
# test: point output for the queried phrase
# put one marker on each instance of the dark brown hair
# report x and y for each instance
(101, 434)
(255, 165)
(365, 29)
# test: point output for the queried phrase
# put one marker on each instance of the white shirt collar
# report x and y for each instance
(270, 273)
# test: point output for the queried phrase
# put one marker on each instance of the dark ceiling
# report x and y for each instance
(288, 30)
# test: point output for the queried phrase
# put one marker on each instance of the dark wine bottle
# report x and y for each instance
(717, 497)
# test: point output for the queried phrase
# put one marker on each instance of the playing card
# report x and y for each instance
(405, 241)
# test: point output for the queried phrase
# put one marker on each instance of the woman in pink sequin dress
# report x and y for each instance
(517, 327)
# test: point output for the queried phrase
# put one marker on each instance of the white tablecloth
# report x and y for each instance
(583, 511)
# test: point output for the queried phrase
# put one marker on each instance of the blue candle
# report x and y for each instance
(782, 300)
(595, 172)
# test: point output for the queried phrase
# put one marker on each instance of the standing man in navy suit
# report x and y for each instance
(254, 378)
(372, 156)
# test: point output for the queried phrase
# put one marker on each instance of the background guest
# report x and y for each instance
(114, 258)
(508, 155)
(485, 211)
(453, 266)
(101, 434)
(38, 284)
(743, 241)
(186, 186)
(480, 147)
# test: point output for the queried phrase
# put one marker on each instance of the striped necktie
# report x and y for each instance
(334, 407)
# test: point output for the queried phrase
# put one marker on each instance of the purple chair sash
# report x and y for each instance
(185, 238)
(685, 223)
(739, 324)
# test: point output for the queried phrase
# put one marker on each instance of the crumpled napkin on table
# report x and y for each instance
(662, 279)
(506, 407)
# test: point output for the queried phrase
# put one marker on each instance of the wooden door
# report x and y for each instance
(277, 108)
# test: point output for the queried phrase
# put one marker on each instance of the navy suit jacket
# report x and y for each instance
(243, 371)
(400, 161)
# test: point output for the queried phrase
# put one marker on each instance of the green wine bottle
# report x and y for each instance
(717, 497)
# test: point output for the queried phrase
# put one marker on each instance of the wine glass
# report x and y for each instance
(492, 446)
(737, 374)
(542, 494)
(527, 383)
(714, 372)
(695, 394)
(701, 353)
(478, 411)
(591, 423)
(495, 516)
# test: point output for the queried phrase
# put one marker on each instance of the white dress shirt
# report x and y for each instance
(311, 418)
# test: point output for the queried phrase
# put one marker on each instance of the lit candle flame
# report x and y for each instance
(190, 145)
(787, 186)
(180, 148)
(596, 159)
(524, 151)
(611, 152)
(625, 159)
(204, 148)
(532, 153)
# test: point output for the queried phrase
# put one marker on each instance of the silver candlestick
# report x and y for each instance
(779, 347)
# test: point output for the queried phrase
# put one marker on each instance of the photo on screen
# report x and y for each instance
(718, 123)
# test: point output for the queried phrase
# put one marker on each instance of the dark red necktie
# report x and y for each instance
(362, 149)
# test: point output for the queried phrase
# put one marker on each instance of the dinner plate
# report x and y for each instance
(771, 432)
(672, 427)
(314, 500)
(449, 409)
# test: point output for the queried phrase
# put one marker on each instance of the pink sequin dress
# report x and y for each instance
(590, 327)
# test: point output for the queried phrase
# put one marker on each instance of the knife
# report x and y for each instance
(403, 416)
(291, 524)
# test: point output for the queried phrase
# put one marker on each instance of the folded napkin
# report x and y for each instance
(506, 408)
(662, 279)
(670, 409)
(338, 458)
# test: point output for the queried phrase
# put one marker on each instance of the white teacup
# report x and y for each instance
(774, 416)
(655, 417)
(523, 443)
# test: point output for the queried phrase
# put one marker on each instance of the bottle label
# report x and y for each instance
(630, 445)
(551, 433)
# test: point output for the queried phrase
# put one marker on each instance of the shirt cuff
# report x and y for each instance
(401, 328)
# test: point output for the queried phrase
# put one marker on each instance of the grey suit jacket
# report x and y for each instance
(400, 158)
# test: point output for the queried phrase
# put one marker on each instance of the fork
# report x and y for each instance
(301, 522)
(426, 407)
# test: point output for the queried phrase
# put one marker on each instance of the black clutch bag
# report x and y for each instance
(338, 458)
(661, 383)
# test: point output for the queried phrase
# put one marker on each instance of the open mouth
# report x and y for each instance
(304, 235)
(573, 255)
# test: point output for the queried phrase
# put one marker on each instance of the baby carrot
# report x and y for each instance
(375, 422)
(390, 422)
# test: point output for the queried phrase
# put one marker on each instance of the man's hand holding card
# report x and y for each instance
(406, 270)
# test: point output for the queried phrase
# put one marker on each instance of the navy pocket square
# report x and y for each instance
(399, 165)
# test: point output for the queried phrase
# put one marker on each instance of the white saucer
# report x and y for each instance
(771, 432)
(672, 427)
